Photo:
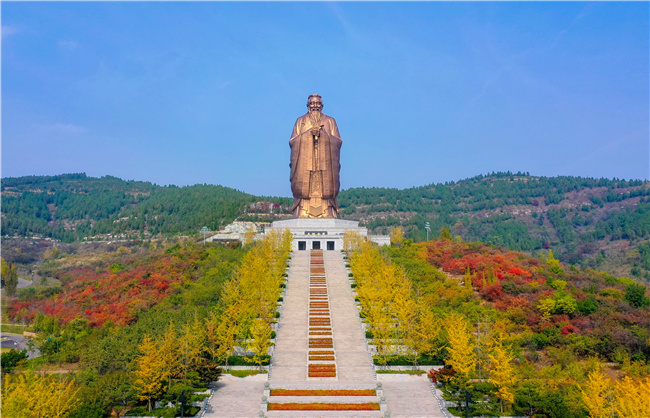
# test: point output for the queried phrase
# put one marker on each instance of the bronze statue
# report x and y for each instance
(315, 164)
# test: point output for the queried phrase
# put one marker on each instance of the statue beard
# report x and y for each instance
(314, 116)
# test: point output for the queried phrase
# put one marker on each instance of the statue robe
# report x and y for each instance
(303, 160)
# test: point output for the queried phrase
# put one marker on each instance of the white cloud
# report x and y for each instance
(66, 129)
(67, 44)
(7, 31)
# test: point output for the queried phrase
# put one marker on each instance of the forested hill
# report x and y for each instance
(599, 223)
(69, 207)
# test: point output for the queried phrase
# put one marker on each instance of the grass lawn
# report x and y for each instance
(244, 373)
(14, 328)
(416, 372)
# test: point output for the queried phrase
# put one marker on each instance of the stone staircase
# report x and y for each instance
(338, 377)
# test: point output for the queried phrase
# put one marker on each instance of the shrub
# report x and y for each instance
(408, 361)
(11, 358)
(241, 360)
(540, 341)
(492, 292)
(635, 295)
(441, 375)
(588, 306)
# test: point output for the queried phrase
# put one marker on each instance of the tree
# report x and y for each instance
(461, 348)
(11, 358)
(169, 350)
(467, 280)
(553, 263)
(397, 236)
(421, 336)
(630, 393)
(151, 371)
(260, 341)
(597, 394)
(248, 236)
(501, 372)
(221, 334)
(9, 277)
(29, 395)
(352, 242)
(192, 345)
(635, 295)
(445, 233)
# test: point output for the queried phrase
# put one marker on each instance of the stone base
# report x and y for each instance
(325, 233)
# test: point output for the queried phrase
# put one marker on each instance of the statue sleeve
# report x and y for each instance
(334, 129)
(296, 131)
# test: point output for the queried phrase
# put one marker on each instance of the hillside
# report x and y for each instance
(72, 207)
(106, 308)
(596, 223)
(523, 335)
(555, 324)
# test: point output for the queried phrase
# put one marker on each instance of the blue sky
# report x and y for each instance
(207, 92)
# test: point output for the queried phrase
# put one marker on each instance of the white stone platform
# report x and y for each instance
(325, 233)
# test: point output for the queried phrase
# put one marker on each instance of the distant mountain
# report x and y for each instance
(599, 223)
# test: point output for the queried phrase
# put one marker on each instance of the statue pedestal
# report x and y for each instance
(325, 234)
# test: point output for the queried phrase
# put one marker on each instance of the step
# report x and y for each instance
(324, 414)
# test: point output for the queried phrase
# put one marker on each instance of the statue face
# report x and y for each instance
(315, 104)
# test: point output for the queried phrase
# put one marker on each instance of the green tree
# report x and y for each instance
(445, 233)
(553, 263)
(11, 358)
(10, 277)
(635, 295)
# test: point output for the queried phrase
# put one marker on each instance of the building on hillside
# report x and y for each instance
(240, 231)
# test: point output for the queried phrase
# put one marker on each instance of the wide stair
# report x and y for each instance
(321, 366)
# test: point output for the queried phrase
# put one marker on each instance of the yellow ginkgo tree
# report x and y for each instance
(501, 372)
(151, 371)
(461, 350)
(27, 395)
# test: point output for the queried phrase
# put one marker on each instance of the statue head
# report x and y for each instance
(315, 103)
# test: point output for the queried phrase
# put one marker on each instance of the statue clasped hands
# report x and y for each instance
(316, 131)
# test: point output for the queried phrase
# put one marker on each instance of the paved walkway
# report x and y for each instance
(237, 397)
(409, 396)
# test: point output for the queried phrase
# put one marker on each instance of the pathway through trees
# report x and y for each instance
(321, 365)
